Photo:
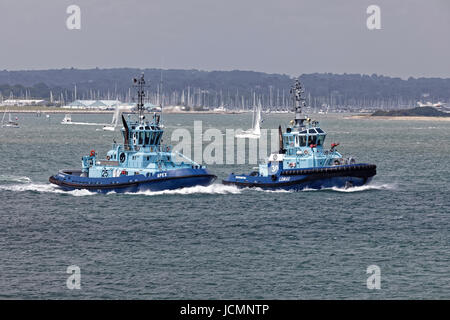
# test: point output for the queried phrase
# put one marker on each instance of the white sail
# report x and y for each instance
(115, 117)
(255, 131)
(114, 120)
(4, 114)
(67, 119)
(257, 122)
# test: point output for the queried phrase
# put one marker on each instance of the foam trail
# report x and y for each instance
(10, 178)
(270, 191)
(384, 186)
(46, 188)
(211, 189)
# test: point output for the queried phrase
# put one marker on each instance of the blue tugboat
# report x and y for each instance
(302, 161)
(141, 163)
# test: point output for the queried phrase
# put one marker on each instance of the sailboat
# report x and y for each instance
(67, 119)
(10, 123)
(255, 132)
(114, 121)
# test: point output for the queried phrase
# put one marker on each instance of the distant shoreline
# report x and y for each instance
(36, 109)
(415, 118)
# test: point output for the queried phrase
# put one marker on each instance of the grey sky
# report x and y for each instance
(276, 36)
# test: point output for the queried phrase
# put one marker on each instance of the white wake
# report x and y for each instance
(374, 186)
(211, 189)
(23, 184)
(44, 188)
(10, 178)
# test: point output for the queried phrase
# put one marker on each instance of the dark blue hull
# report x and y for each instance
(311, 178)
(170, 180)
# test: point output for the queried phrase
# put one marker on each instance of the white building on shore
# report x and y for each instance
(93, 104)
(23, 102)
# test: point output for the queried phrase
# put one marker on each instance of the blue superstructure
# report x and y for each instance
(140, 163)
(302, 160)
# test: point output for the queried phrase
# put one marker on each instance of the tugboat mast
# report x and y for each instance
(299, 102)
(140, 85)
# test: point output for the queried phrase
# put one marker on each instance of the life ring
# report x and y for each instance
(305, 152)
(92, 153)
(108, 157)
(275, 157)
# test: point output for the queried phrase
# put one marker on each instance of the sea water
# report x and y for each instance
(221, 241)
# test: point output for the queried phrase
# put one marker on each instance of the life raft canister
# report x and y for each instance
(92, 153)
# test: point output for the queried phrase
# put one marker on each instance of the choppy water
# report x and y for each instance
(222, 242)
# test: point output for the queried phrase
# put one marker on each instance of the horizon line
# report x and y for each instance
(218, 70)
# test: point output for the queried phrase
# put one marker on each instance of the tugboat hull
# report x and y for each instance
(182, 178)
(314, 178)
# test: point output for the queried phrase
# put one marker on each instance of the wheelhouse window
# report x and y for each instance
(158, 137)
(302, 142)
(291, 141)
(312, 139)
(147, 138)
(320, 139)
(152, 138)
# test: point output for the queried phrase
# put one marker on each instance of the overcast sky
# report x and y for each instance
(275, 36)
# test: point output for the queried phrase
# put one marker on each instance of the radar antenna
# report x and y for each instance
(299, 102)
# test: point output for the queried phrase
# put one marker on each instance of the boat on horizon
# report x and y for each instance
(141, 163)
(68, 120)
(302, 160)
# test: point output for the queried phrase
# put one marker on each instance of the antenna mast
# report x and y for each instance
(161, 94)
(140, 85)
(297, 94)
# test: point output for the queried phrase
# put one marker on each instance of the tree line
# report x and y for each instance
(234, 89)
